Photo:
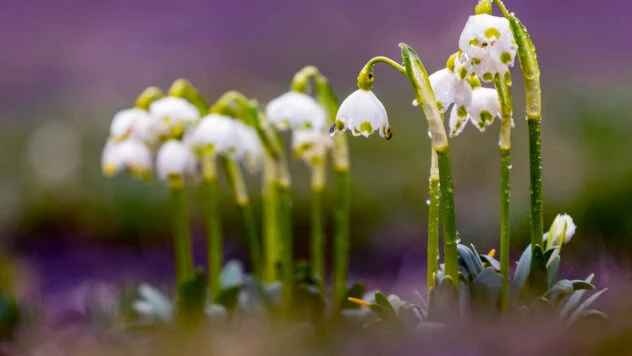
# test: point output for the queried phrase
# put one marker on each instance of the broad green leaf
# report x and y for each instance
(584, 306)
(522, 269)
(574, 299)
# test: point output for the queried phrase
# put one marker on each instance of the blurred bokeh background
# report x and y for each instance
(68, 66)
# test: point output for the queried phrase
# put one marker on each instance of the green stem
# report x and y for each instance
(535, 190)
(271, 228)
(317, 242)
(181, 235)
(503, 87)
(505, 227)
(287, 255)
(214, 238)
(242, 199)
(341, 235)
(433, 223)
(447, 215)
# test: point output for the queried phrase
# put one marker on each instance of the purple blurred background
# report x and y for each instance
(74, 63)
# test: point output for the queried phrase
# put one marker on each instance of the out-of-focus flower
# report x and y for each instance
(132, 155)
(172, 116)
(224, 135)
(483, 109)
(175, 161)
(561, 231)
(362, 113)
(127, 123)
(296, 111)
(311, 145)
(489, 45)
(152, 304)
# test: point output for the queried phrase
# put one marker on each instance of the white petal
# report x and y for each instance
(173, 114)
(458, 120)
(362, 113)
(562, 229)
(174, 159)
(296, 111)
(443, 84)
(485, 107)
(310, 144)
(217, 131)
(129, 154)
(124, 121)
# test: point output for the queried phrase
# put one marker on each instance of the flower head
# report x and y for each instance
(172, 116)
(174, 162)
(483, 108)
(450, 89)
(489, 45)
(294, 110)
(362, 113)
(311, 145)
(131, 155)
(561, 231)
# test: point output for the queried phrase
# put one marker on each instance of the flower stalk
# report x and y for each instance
(214, 238)
(342, 180)
(317, 238)
(242, 199)
(533, 98)
(434, 197)
(503, 87)
(181, 232)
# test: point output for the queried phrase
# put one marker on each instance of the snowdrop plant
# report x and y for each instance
(362, 113)
(277, 234)
(328, 100)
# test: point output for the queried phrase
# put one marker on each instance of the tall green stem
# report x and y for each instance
(181, 235)
(533, 99)
(287, 247)
(434, 196)
(503, 87)
(317, 242)
(271, 219)
(447, 215)
(242, 199)
(342, 179)
(214, 239)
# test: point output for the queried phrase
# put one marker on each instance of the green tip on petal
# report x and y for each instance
(366, 127)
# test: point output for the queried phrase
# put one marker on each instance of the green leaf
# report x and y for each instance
(553, 266)
(583, 306)
(486, 289)
(522, 269)
(574, 299)
(469, 261)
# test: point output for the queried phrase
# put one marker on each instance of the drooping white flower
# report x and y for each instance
(311, 145)
(172, 116)
(135, 123)
(362, 113)
(450, 89)
(561, 231)
(152, 304)
(294, 110)
(174, 161)
(485, 107)
(251, 147)
(131, 154)
(489, 45)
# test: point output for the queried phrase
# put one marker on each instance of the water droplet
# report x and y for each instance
(429, 134)
(415, 102)
(428, 202)
(510, 167)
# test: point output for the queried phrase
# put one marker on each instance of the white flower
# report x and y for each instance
(482, 110)
(134, 123)
(175, 160)
(130, 154)
(152, 304)
(172, 116)
(362, 113)
(226, 136)
(311, 144)
(450, 89)
(489, 45)
(296, 111)
(561, 231)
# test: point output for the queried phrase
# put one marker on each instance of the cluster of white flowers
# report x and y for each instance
(307, 120)
(172, 128)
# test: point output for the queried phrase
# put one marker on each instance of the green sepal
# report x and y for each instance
(182, 88)
(147, 97)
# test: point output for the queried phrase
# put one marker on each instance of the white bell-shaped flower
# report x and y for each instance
(489, 45)
(296, 111)
(131, 155)
(561, 231)
(450, 89)
(251, 152)
(172, 116)
(123, 123)
(175, 161)
(362, 113)
(485, 107)
(311, 145)
(216, 133)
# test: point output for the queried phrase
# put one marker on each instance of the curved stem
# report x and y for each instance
(386, 60)
(434, 196)
(212, 219)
